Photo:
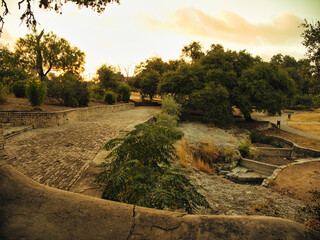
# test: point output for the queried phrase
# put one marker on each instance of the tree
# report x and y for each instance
(193, 51)
(214, 101)
(140, 171)
(311, 41)
(47, 52)
(57, 5)
(12, 67)
(147, 81)
(109, 77)
(264, 87)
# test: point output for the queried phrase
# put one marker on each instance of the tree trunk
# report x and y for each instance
(39, 57)
(247, 116)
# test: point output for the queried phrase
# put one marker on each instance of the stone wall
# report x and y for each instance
(259, 167)
(275, 152)
(33, 211)
(297, 151)
(50, 119)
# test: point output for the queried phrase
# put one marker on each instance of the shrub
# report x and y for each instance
(110, 97)
(3, 93)
(171, 107)
(124, 92)
(303, 102)
(258, 137)
(36, 91)
(19, 89)
(244, 147)
(71, 89)
(316, 101)
(140, 171)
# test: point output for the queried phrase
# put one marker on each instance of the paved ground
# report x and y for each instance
(283, 123)
(57, 156)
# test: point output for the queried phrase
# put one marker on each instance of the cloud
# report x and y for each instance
(229, 26)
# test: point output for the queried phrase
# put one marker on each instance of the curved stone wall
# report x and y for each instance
(33, 211)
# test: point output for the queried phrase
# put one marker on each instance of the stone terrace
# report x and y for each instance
(56, 156)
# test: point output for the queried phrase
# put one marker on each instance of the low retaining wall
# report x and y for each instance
(275, 152)
(33, 211)
(50, 119)
(297, 151)
(259, 167)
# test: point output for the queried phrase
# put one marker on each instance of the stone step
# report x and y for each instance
(13, 131)
(245, 175)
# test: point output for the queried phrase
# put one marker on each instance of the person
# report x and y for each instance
(278, 124)
(289, 116)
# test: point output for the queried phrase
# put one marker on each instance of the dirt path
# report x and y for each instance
(57, 156)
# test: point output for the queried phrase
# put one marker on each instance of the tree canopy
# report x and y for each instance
(45, 52)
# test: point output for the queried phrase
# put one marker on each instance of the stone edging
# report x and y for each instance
(50, 119)
(276, 172)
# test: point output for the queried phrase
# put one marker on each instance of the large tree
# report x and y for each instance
(30, 19)
(311, 41)
(46, 52)
(109, 77)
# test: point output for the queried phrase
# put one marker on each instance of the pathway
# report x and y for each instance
(57, 156)
(283, 124)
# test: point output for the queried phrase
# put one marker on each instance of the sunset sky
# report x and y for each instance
(135, 30)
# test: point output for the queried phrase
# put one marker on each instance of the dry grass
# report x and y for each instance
(204, 167)
(309, 128)
(301, 141)
(306, 117)
(186, 156)
(209, 151)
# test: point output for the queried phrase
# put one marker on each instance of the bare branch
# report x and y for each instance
(5, 12)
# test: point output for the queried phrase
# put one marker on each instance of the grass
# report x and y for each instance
(186, 156)
(301, 141)
(307, 117)
(309, 128)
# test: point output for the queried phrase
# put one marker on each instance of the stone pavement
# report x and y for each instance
(56, 156)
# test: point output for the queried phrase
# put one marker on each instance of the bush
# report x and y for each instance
(258, 137)
(110, 98)
(36, 91)
(19, 89)
(303, 102)
(140, 171)
(244, 147)
(124, 92)
(316, 101)
(169, 121)
(71, 89)
(3, 93)
(171, 107)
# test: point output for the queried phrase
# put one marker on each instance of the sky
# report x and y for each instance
(127, 34)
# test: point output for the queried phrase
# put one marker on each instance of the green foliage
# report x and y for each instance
(124, 91)
(19, 89)
(169, 121)
(147, 81)
(12, 67)
(170, 106)
(36, 91)
(258, 137)
(303, 102)
(3, 93)
(48, 52)
(109, 77)
(244, 147)
(214, 101)
(316, 101)
(70, 88)
(140, 171)
(110, 97)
